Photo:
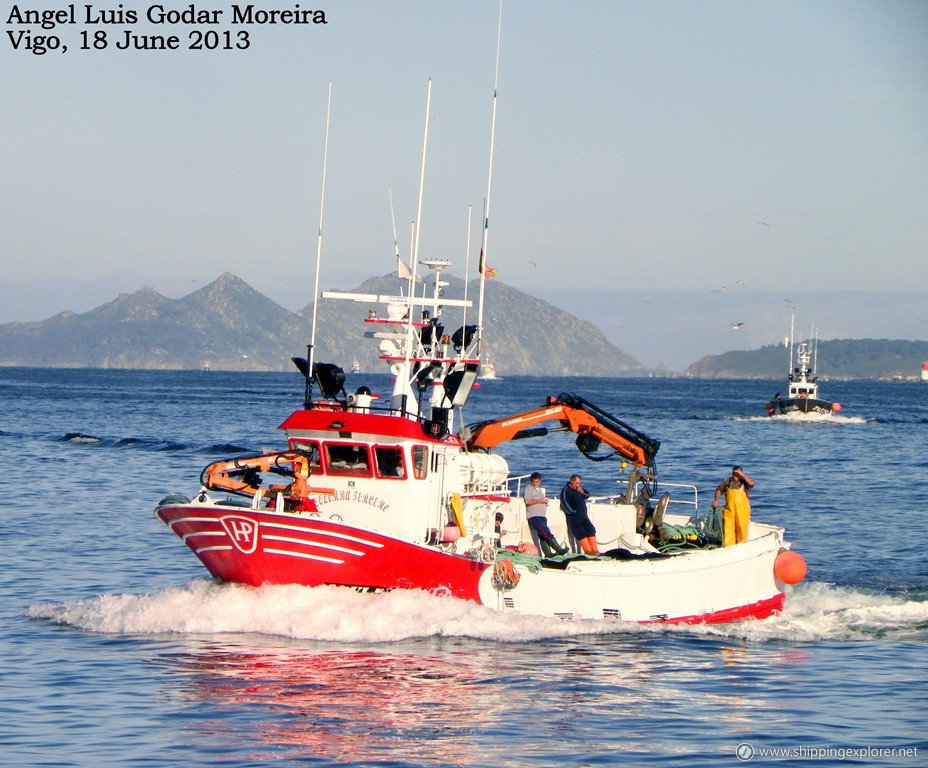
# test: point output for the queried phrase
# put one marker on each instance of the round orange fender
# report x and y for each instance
(836, 407)
(450, 533)
(789, 567)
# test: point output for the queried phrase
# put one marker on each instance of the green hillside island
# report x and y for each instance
(837, 359)
(227, 325)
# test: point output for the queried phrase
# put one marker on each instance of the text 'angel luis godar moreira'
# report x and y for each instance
(159, 14)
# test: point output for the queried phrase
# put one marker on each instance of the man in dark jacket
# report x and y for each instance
(573, 502)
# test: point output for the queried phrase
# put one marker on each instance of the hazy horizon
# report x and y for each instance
(674, 328)
(666, 146)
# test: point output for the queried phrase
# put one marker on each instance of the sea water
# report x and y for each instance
(118, 649)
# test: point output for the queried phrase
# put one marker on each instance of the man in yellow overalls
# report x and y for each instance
(737, 512)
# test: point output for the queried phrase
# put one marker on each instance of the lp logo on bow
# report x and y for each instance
(242, 531)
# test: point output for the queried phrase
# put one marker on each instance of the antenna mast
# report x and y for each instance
(310, 351)
(470, 212)
(486, 213)
(415, 247)
(814, 351)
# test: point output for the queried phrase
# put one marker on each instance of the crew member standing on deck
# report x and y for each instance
(573, 502)
(536, 513)
(737, 512)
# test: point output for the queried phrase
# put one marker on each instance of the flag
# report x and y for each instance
(485, 269)
(404, 272)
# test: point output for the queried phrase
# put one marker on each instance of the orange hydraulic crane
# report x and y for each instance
(242, 476)
(592, 425)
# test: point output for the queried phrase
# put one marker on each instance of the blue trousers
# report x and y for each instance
(540, 524)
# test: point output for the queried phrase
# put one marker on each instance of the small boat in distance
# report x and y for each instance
(487, 371)
(802, 385)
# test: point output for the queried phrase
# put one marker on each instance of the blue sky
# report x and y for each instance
(776, 146)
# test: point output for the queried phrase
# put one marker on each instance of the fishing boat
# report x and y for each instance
(487, 371)
(802, 383)
(383, 493)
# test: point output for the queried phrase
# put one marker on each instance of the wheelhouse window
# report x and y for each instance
(388, 461)
(420, 461)
(347, 459)
(311, 449)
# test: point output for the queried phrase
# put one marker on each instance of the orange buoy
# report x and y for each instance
(450, 533)
(789, 567)
(836, 407)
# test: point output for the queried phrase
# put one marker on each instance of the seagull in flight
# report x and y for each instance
(736, 326)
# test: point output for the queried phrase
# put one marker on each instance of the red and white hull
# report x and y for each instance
(256, 547)
(261, 546)
(717, 585)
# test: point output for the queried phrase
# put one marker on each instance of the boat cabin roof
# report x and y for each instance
(331, 421)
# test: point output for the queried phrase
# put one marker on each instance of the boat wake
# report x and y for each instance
(815, 612)
(807, 418)
(335, 614)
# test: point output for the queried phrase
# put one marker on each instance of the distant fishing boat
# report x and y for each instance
(802, 384)
(487, 371)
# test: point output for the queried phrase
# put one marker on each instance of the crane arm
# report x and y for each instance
(243, 475)
(591, 424)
